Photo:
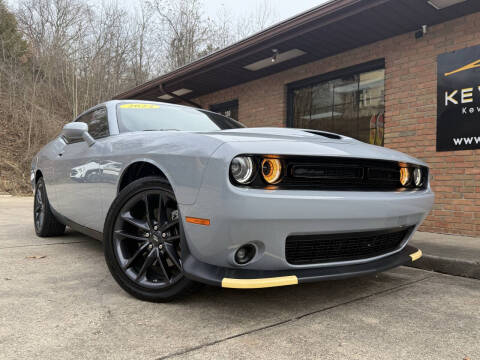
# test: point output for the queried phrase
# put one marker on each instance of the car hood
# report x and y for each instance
(281, 141)
(276, 134)
(230, 143)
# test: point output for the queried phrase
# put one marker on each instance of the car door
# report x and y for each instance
(79, 173)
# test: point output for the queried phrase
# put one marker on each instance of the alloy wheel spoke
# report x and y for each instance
(172, 254)
(135, 222)
(39, 197)
(170, 225)
(135, 256)
(163, 265)
(38, 208)
(147, 211)
(129, 236)
(147, 263)
(173, 238)
(162, 210)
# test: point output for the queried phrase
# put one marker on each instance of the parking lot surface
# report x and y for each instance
(58, 301)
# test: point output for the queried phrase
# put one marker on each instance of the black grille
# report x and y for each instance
(342, 174)
(338, 173)
(325, 248)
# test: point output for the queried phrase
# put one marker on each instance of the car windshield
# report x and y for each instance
(164, 117)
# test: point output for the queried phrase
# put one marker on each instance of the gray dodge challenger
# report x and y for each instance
(182, 196)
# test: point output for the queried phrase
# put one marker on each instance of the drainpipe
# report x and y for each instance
(162, 89)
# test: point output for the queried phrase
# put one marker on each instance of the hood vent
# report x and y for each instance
(324, 134)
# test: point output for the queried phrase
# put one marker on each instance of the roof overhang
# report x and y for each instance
(326, 30)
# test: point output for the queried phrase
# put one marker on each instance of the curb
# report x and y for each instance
(450, 266)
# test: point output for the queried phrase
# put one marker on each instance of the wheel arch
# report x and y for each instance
(38, 175)
(141, 168)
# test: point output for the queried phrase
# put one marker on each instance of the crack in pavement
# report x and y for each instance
(293, 319)
(32, 245)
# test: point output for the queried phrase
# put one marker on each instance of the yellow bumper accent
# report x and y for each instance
(416, 255)
(259, 283)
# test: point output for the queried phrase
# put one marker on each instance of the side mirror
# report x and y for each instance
(76, 131)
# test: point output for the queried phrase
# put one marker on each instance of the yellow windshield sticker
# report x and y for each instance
(139, 106)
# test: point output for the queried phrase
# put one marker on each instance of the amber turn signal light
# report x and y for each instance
(197, 221)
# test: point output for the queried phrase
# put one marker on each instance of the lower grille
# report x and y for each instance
(325, 248)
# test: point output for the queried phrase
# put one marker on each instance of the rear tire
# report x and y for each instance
(142, 237)
(44, 221)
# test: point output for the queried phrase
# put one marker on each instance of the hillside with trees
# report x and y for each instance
(60, 57)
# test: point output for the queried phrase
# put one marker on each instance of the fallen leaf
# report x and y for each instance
(36, 257)
(466, 358)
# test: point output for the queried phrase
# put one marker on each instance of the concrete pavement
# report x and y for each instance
(58, 300)
(448, 254)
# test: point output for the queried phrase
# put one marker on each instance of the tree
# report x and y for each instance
(262, 16)
(183, 32)
(11, 43)
(186, 34)
(60, 57)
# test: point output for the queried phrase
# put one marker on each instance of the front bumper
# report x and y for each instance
(251, 279)
(266, 218)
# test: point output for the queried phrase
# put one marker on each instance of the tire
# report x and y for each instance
(142, 237)
(44, 221)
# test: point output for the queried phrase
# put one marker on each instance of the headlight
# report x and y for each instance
(404, 176)
(241, 169)
(417, 177)
(272, 170)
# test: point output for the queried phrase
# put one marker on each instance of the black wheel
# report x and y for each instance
(142, 238)
(45, 222)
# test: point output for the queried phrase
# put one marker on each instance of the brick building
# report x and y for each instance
(362, 68)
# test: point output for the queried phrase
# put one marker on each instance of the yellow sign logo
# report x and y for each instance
(473, 65)
(139, 106)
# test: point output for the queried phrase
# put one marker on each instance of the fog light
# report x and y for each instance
(244, 254)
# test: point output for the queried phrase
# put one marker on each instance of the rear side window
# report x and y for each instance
(97, 122)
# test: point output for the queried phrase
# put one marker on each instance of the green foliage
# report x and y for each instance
(11, 43)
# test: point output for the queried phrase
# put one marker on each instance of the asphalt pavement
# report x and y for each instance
(58, 301)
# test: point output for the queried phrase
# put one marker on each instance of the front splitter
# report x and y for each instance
(254, 279)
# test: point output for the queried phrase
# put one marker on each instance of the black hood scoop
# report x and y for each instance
(324, 134)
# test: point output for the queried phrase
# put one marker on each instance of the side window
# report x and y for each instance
(97, 122)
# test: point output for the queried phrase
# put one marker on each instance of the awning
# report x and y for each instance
(326, 30)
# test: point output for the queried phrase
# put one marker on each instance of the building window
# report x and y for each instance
(229, 109)
(350, 104)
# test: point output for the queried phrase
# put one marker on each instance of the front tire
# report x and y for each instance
(142, 242)
(43, 219)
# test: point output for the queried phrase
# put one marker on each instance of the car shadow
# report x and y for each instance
(296, 300)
